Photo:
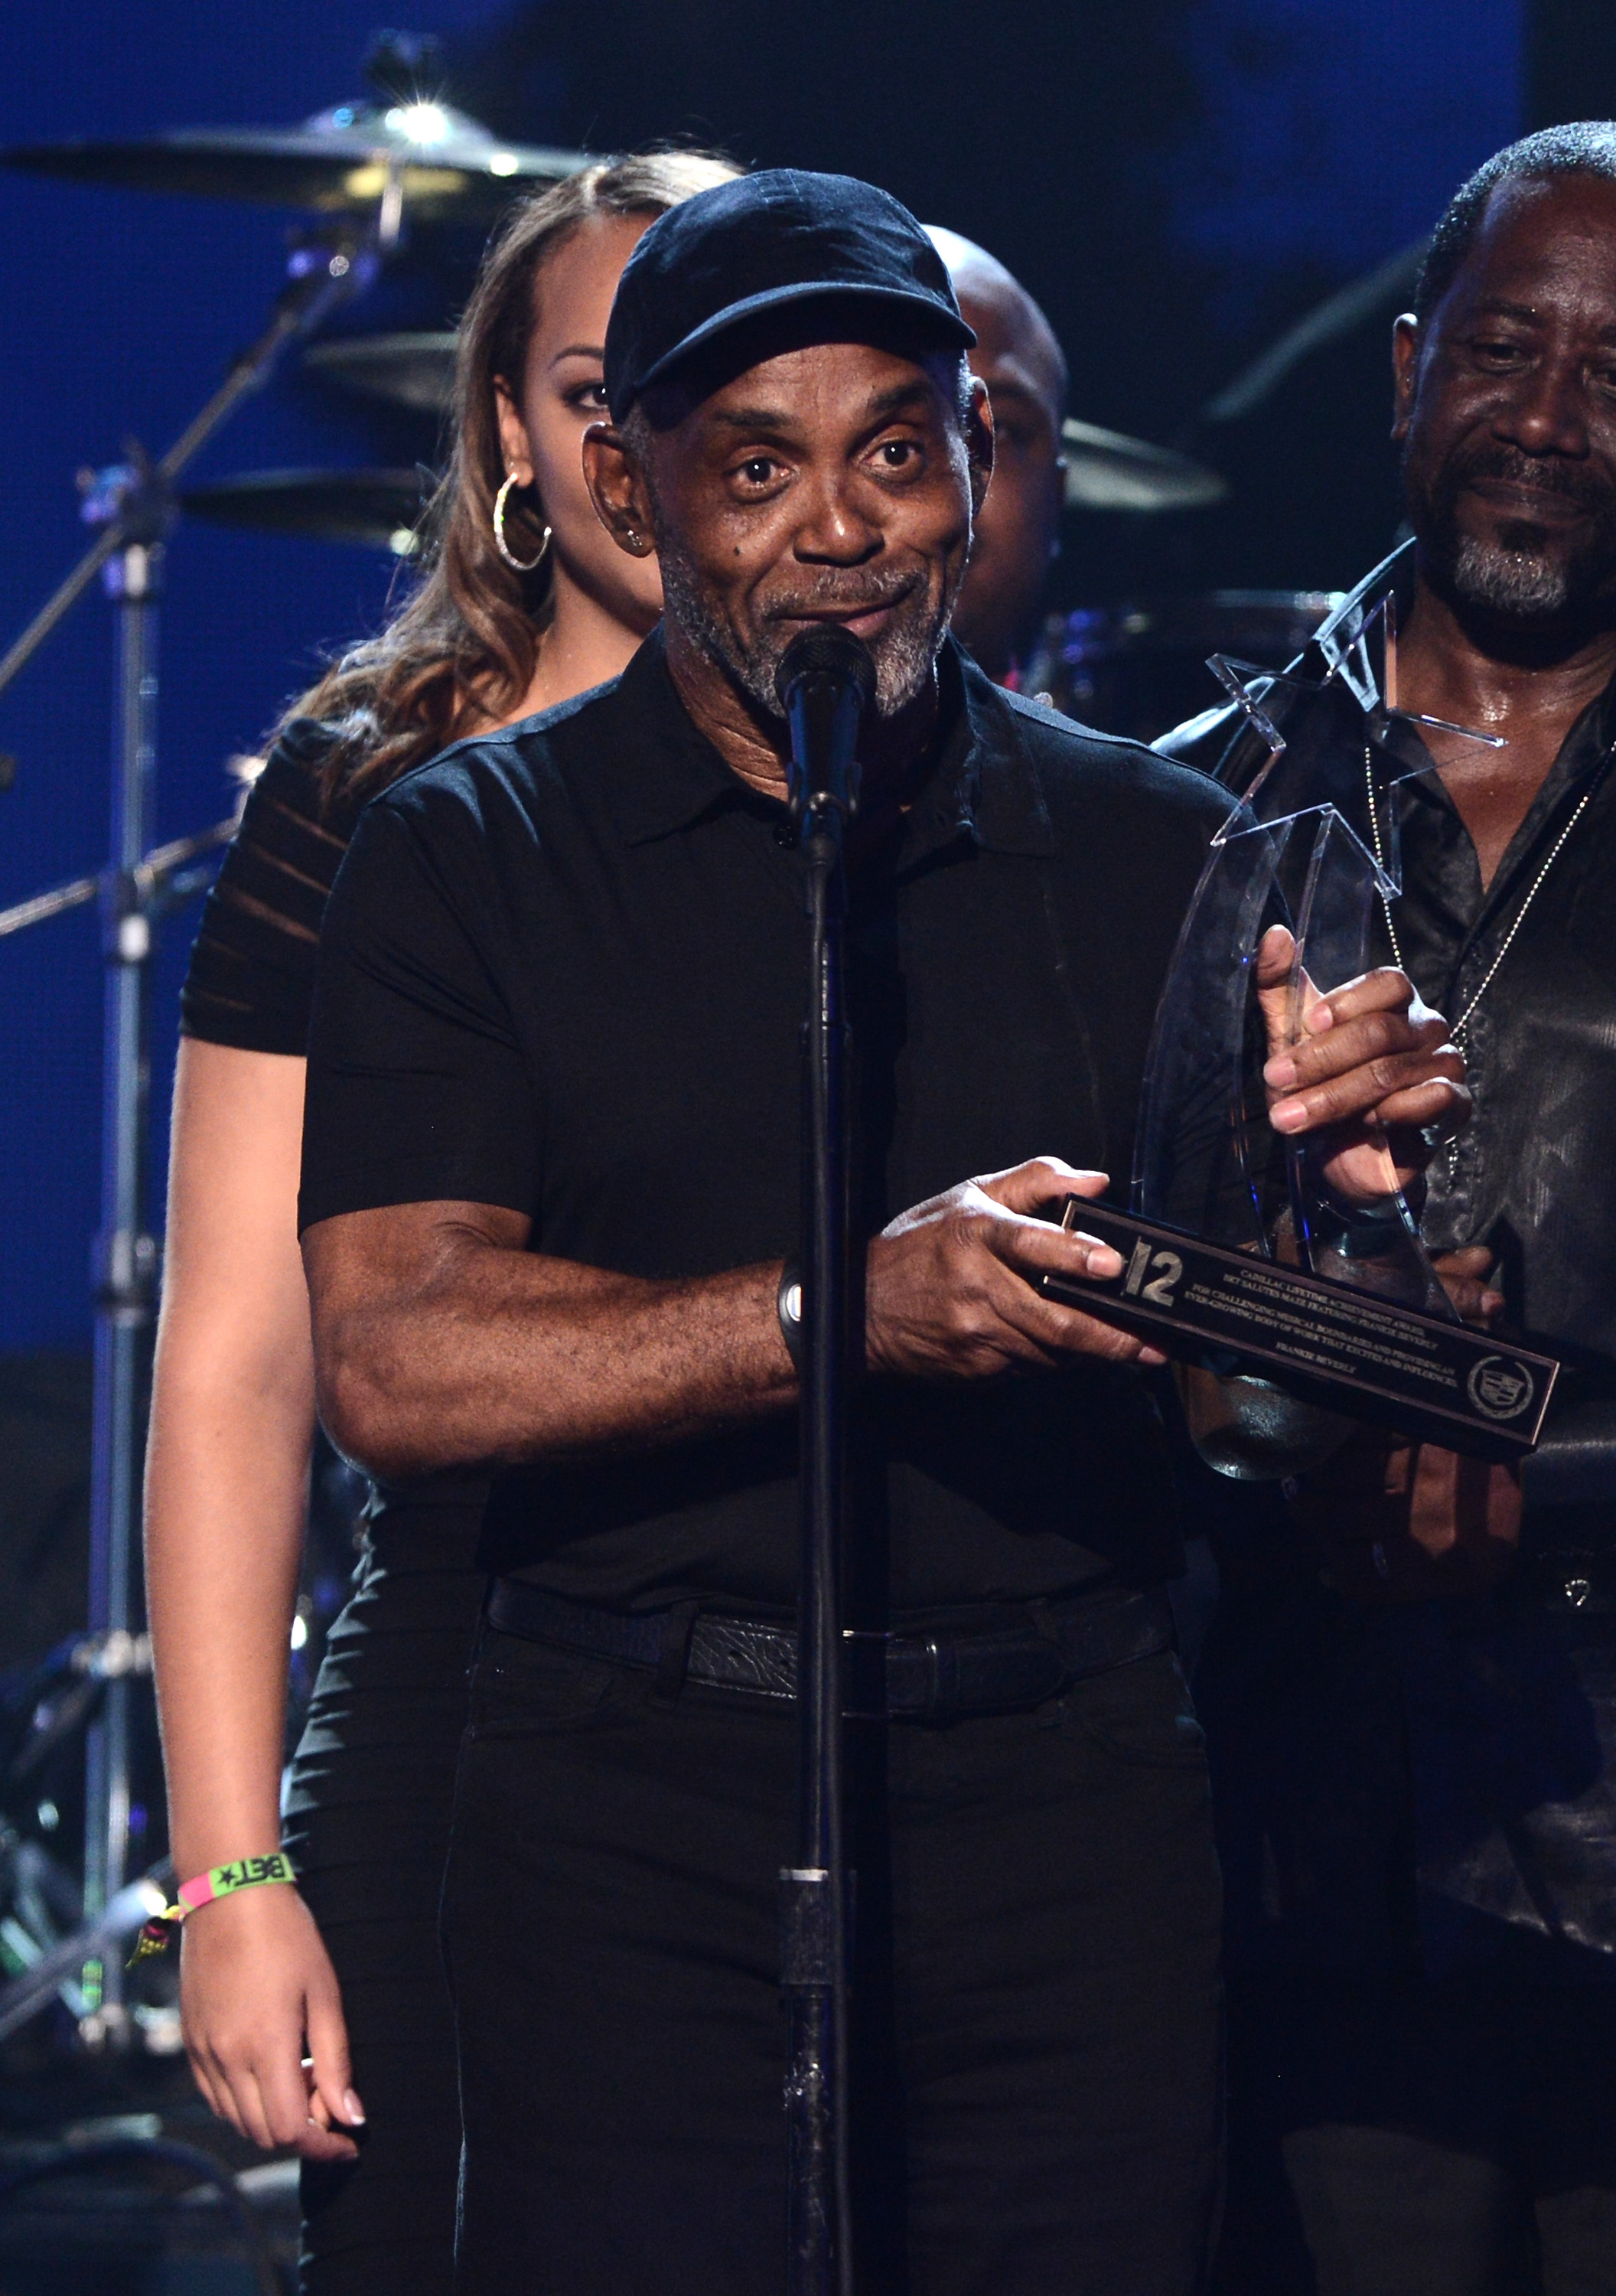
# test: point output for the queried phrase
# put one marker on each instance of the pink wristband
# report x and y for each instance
(203, 1889)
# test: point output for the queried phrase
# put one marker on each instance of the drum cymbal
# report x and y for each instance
(414, 371)
(377, 509)
(1105, 470)
(448, 168)
(1140, 669)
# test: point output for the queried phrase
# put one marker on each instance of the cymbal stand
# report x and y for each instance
(134, 507)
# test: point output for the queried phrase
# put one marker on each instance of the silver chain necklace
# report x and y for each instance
(1549, 859)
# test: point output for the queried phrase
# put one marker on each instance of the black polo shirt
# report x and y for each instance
(563, 969)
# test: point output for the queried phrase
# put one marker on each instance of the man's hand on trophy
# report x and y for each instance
(1366, 1068)
(1470, 1279)
(1394, 1521)
(949, 1285)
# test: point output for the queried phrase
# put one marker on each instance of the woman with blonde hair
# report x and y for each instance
(300, 2002)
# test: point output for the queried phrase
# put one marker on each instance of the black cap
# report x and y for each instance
(779, 237)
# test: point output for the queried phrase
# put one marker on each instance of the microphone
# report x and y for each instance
(825, 683)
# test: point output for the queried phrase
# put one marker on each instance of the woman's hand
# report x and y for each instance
(255, 1984)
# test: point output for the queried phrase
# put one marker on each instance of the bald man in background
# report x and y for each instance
(1017, 530)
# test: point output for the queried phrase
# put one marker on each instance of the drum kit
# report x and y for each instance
(362, 174)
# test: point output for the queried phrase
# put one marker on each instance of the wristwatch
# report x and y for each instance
(788, 1306)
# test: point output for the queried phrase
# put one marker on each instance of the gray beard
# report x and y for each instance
(905, 655)
(1515, 583)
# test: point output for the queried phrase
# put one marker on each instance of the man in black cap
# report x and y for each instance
(551, 1176)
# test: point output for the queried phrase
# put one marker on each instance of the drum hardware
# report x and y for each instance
(368, 166)
(162, 881)
(1105, 470)
(43, 1903)
(83, 1967)
(65, 1689)
(415, 370)
(133, 504)
(43, 1907)
(1142, 670)
(378, 157)
(134, 507)
(375, 509)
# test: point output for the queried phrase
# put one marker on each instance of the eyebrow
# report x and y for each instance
(1495, 307)
(595, 351)
(901, 395)
(754, 418)
(774, 421)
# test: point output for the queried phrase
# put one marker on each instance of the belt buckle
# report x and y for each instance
(864, 1697)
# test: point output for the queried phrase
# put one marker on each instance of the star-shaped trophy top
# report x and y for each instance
(1330, 744)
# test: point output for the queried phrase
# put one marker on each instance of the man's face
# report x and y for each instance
(828, 484)
(1020, 521)
(1506, 408)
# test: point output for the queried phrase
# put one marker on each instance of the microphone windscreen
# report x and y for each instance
(825, 650)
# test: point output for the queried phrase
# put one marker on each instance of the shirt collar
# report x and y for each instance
(1584, 746)
(1394, 577)
(986, 785)
(669, 774)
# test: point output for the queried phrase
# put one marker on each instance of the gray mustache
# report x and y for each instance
(839, 602)
(1541, 478)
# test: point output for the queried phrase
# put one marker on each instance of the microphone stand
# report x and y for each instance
(825, 680)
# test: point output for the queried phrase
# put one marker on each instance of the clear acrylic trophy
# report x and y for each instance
(1237, 1254)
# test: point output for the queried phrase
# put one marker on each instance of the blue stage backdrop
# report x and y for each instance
(1175, 180)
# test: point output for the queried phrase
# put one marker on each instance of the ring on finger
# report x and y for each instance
(1444, 1130)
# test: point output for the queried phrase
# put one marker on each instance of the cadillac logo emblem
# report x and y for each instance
(1500, 1387)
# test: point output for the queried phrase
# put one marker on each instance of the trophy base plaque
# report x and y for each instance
(1330, 1343)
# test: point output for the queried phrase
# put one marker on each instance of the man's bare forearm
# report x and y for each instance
(441, 1342)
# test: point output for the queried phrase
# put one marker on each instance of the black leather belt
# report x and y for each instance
(894, 1676)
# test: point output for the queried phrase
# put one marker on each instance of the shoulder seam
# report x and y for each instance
(504, 736)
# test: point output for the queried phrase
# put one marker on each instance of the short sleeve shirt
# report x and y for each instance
(250, 982)
(564, 971)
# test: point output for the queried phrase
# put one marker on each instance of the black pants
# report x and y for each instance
(1036, 1989)
(368, 1830)
(1439, 2140)
(1392, 2132)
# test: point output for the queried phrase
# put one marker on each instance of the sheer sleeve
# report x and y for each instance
(250, 982)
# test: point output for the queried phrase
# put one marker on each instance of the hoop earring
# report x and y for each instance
(517, 565)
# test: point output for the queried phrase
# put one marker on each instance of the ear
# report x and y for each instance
(979, 441)
(1407, 348)
(515, 447)
(618, 491)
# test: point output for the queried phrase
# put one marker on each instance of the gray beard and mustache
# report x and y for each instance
(1517, 576)
(904, 654)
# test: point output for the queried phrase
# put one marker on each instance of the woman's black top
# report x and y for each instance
(251, 981)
